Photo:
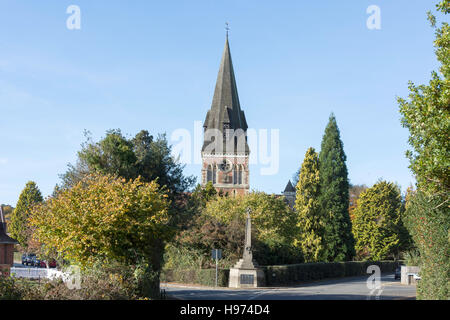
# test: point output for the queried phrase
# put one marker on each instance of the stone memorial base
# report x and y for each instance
(246, 278)
(407, 274)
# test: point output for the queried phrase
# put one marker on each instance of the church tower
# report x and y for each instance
(225, 152)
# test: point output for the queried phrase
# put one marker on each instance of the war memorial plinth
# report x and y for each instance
(245, 273)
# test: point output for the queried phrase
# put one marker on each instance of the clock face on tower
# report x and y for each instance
(225, 166)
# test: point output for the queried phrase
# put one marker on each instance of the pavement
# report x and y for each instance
(352, 288)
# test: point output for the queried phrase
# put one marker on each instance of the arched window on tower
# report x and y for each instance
(209, 174)
(240, 174)
(214, 174)
(235, 174)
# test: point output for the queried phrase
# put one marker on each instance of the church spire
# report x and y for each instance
(225, 109)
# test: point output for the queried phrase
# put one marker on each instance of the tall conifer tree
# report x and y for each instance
(19, 218)
(310, 221)
(334, 198)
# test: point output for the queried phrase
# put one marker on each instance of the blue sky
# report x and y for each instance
(153, 64)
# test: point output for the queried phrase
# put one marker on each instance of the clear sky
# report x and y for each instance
(153, 64)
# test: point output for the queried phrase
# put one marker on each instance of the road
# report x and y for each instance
(354, 288)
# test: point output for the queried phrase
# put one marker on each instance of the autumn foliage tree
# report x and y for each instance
(221, 225)
(106, 218)
(354, 192)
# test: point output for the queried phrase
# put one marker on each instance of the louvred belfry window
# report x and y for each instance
(226, 131)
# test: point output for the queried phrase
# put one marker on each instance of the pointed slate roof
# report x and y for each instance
(225, 111)
(289, 187)
(4, 238)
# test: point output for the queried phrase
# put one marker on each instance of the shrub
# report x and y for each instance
(294, 273)
(10, 289)
(113, 282)
(276, 252)
(206, 277)
(281, 274)
(428, 221)
(377, 224)
(221, 225)
(412, 258)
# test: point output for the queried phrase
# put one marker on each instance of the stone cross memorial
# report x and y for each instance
(245, 272)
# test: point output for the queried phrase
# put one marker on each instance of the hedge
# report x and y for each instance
(294, 273)
(282, 274)
(206, 277)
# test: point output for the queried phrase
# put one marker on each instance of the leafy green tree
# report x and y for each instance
(130, 158)
(426, 114)
(19, 227)
(310, 218)
(155, 161)
(190, 205)
(273, 224)
(270, 214)
(377, 222)
(107, 219)
(204, 194)
(141, 156)
(104, 218)
(206, 233)
(334, 198)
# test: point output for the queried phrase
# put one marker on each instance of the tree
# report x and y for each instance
(273, 224)
(19, 227)
(206, 233)
(202, 195)
(428, 222)
(354, 192)
(426, 114)
(310, 218)
(377, 222)
(141, 156)
(105, 218)
(334, 198)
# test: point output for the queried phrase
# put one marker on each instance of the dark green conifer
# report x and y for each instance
(334, 198)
